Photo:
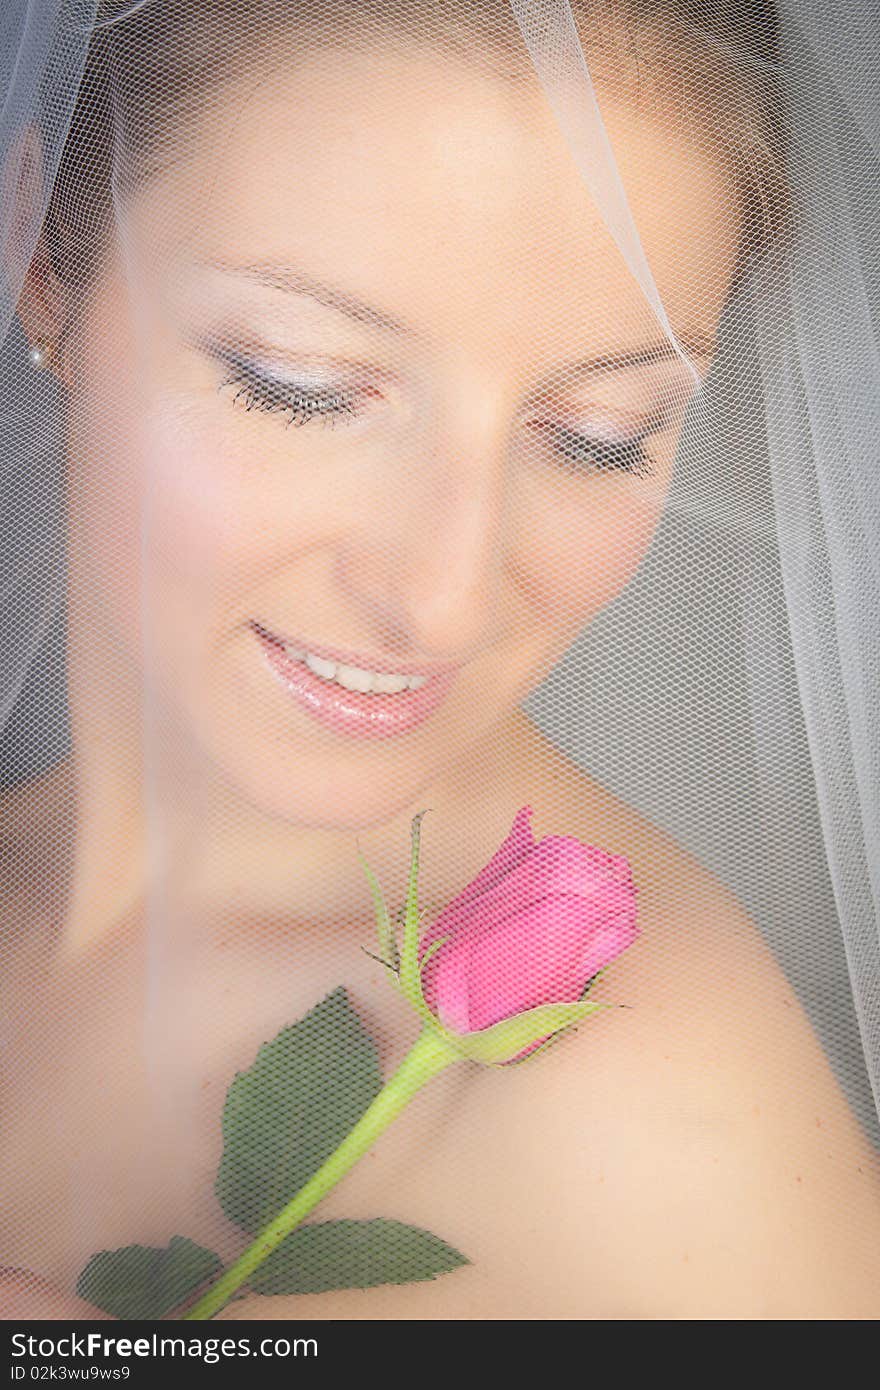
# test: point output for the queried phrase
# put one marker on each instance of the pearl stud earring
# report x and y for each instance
(39, 355)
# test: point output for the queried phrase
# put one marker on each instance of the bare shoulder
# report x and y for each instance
(747, 1185)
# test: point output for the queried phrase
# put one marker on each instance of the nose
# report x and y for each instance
(425, 573)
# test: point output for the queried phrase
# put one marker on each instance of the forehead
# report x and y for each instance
(447, 196)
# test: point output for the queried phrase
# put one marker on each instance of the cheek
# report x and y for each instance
(204, 533)
(169, 532)
(213, 541)
(226, 513)
(578, 545)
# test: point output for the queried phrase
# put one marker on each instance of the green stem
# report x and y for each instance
(429, 1054)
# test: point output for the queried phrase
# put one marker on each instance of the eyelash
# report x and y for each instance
(618, 456)
(262, 393)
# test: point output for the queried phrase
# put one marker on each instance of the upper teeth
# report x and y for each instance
(355, 677)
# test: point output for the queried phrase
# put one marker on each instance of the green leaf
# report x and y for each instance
(350, 1254)
(144, 1282)
(290, 1111)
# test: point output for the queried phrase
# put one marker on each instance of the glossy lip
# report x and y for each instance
(349, 712)
(366, 663)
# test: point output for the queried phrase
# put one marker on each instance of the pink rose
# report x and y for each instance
(534, 927)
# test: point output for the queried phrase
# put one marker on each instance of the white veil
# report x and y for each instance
(724, 688)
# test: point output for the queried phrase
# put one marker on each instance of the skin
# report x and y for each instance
(456, 209)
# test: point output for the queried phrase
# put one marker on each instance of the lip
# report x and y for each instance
(366, 663)
(349, 712)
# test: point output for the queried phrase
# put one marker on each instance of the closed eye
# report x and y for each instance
(587, 454)
(297, 400)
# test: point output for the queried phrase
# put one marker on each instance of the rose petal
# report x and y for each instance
(557, 864)
(445, 983)
(544, 954)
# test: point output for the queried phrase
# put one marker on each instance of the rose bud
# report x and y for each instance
(506, 965)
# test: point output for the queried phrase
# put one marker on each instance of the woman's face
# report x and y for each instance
(365, 375)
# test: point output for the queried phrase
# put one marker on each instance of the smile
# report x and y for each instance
(354, 677)
(353, 700)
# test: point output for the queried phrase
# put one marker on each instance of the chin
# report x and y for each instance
(320, 791)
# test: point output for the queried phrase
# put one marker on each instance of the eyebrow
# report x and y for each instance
(292, 280)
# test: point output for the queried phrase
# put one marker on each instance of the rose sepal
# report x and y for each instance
(388, 952)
